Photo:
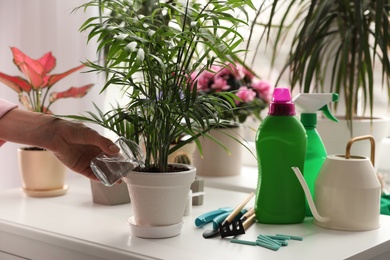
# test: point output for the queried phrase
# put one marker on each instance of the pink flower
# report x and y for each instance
(227, 71)
(263, 89)
(204, 79)
(245, 94)
(219, 84)
(245, 73)
(252, 94)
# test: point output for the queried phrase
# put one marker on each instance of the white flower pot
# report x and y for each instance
(159, 199)
(217, 161)
(43, 175)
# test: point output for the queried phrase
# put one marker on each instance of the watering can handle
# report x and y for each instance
(358, 138)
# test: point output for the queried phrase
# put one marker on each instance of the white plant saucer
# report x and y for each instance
(46, 193)
(156, 231)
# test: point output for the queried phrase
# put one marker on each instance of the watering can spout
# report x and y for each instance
(310, 201)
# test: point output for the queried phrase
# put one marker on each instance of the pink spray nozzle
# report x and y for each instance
(281, 95)
(282, 104)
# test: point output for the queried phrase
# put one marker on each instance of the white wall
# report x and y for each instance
(39, 26)
(36, 27)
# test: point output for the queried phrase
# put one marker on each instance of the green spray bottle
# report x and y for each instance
(280, 145)
(310, 103)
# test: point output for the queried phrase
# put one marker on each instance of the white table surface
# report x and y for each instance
(246, 181)
(72, 227)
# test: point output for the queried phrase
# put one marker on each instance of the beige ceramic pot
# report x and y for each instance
(216, 160)
(43, 175)
(158, 201)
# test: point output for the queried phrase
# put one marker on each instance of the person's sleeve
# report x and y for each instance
(5, 106)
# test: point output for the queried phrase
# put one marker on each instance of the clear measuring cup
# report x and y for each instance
(111, 168)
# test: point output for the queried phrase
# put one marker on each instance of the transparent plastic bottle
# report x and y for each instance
(111, 168)
(280, 145)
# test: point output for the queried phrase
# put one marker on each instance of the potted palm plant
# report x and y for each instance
(152, 49)
(337, 46)
(43, 175)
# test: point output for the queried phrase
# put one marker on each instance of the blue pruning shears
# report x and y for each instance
(209, 216)
(215, 216)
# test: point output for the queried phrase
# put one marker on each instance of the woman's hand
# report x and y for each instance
(73, 143)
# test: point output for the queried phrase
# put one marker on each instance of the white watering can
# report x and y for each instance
(347, 191)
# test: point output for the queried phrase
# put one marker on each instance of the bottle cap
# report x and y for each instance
(310, 103)
(282, 104)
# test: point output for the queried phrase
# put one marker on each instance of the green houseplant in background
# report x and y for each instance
(337, 46)
(43, 175)
(337, 43)
(152, 49)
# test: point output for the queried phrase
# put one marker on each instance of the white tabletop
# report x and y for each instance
(72, 227)
(246, 181)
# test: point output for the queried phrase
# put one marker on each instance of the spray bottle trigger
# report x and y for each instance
(328, 114)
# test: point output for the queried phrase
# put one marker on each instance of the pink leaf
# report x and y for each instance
(56, 77)
(75, 92)
(46, 81)
(26, 103)
(33, 69)
(48, 62)
(16, 83)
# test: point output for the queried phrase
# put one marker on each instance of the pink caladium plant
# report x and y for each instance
(33, 90)
(253, 94)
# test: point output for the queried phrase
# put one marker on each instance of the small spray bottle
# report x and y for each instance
(310, 103)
